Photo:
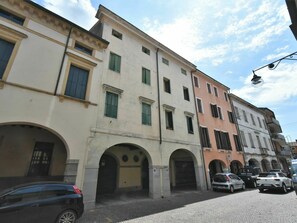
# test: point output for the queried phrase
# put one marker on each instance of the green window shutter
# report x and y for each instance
(111, 105)
(146, 76)
(115, 62)
(146, 114)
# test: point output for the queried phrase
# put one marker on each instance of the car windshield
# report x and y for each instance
(219, 178)
(267, 174)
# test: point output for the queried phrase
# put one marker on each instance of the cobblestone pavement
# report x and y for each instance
(128, 207)
(209, 206)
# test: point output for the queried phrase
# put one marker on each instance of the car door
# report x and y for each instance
(20, 205)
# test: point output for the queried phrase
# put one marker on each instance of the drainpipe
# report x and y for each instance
(159, 101)
(62, 62)
(202, 151)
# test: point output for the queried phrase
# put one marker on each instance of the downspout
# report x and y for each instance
(159, 100)
(202, 151)
(62, 62)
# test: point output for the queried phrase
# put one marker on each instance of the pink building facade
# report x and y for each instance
(222, 150)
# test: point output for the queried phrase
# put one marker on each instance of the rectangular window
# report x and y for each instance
(243, 138)
(169, 120)
(222, 140)
(216, 91)
(146, 76)
(146, 114)
(196, 81)
(265, 142)
(260, 124)
(251, 140)
(183, 71)
(117, 34)
(226, 96)
(231, 117)
(77, 82)
(190, 125)
(199, 105)
(259, 142)
(6, 49)
(214, 111)
(111, 105)
(11, 17)
(205, 137)
(237, 143)
(165, 61)
(253, 120)
(244, 116)
(146, 50)
(208, 88)
(220, 113)
(83, 49)
(186, 94)
(115, 62)
(167, 85)
(264, 124)
(237, 112)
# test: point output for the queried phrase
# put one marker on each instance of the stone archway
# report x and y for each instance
(30, 153)
(275, 164)
(216, 166)
(265, 165)
(182, 170)
(253, 163)
(235, 166)
(123, 169)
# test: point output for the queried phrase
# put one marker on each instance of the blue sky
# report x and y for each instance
(225, 39)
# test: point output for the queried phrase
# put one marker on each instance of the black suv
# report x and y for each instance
(249, 175)
(41, 202)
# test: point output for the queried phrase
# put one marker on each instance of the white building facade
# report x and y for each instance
(254, 135)
(146, 135)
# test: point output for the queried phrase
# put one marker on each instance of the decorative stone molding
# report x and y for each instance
(168, 107)
(146, 100)
(112, 89)
(190, 114)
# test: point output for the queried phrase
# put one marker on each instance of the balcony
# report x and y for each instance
(274, 126)
(279, 138)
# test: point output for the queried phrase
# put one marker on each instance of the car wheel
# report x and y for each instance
(243, 187)
(261, 190)
(67, 216)
(284, 188)
(231, 189)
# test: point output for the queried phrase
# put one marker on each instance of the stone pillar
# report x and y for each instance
(90, 186)
(159, 182)
(71, 171)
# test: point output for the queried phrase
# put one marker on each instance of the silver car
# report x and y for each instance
(227, 181)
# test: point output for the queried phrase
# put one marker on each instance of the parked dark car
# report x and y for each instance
(249, 175)
(41, 202)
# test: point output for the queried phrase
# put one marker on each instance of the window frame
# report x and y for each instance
(146, 76)
(167, 87)
(169, 119)
(146, 50)
(208, 87)
(199, 105)
(186, 94)
(146, 117)
(117, 34)
(15, 37)
(216, 91)
(190, 127)
(205, 140)
(83, 48)
(13, 17)
(113, 60)
(165, 61)
(196, 81)
(111, 110)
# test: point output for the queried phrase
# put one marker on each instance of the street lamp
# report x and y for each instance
(258, 80)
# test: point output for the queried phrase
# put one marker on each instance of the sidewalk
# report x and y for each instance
(128, 207)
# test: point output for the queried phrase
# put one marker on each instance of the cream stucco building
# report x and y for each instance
(50, 70)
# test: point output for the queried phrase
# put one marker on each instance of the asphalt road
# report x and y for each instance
(242, 206)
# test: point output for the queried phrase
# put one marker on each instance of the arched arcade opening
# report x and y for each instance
(183, 174)
(30, 153)
(123, 169)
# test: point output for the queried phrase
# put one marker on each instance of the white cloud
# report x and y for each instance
(80, 12)
(277, 87)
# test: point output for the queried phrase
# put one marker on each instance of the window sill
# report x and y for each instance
(86, 103)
